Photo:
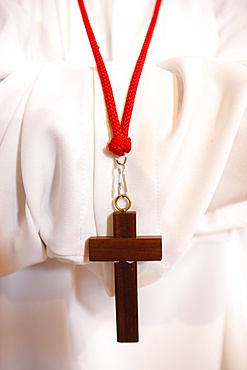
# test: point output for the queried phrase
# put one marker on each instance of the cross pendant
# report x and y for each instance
(125, 249)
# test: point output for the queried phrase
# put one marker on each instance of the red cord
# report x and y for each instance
(120, 143)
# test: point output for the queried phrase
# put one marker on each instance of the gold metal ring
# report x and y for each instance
(126, 199)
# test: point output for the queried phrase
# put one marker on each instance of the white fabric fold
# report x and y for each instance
(64, 171)
(186, 177)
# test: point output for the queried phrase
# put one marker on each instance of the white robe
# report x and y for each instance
(186, 173)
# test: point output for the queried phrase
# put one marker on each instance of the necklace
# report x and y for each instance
(124, 246)
(120, 143)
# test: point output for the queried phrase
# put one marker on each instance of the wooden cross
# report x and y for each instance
(125, 249)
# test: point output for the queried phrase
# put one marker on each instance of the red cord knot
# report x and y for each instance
(119, 145)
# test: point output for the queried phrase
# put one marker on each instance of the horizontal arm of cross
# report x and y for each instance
(141, 248)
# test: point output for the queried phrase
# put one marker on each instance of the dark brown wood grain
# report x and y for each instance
(121, 249)
(125, 249)
(126, 302)
(124, 226)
